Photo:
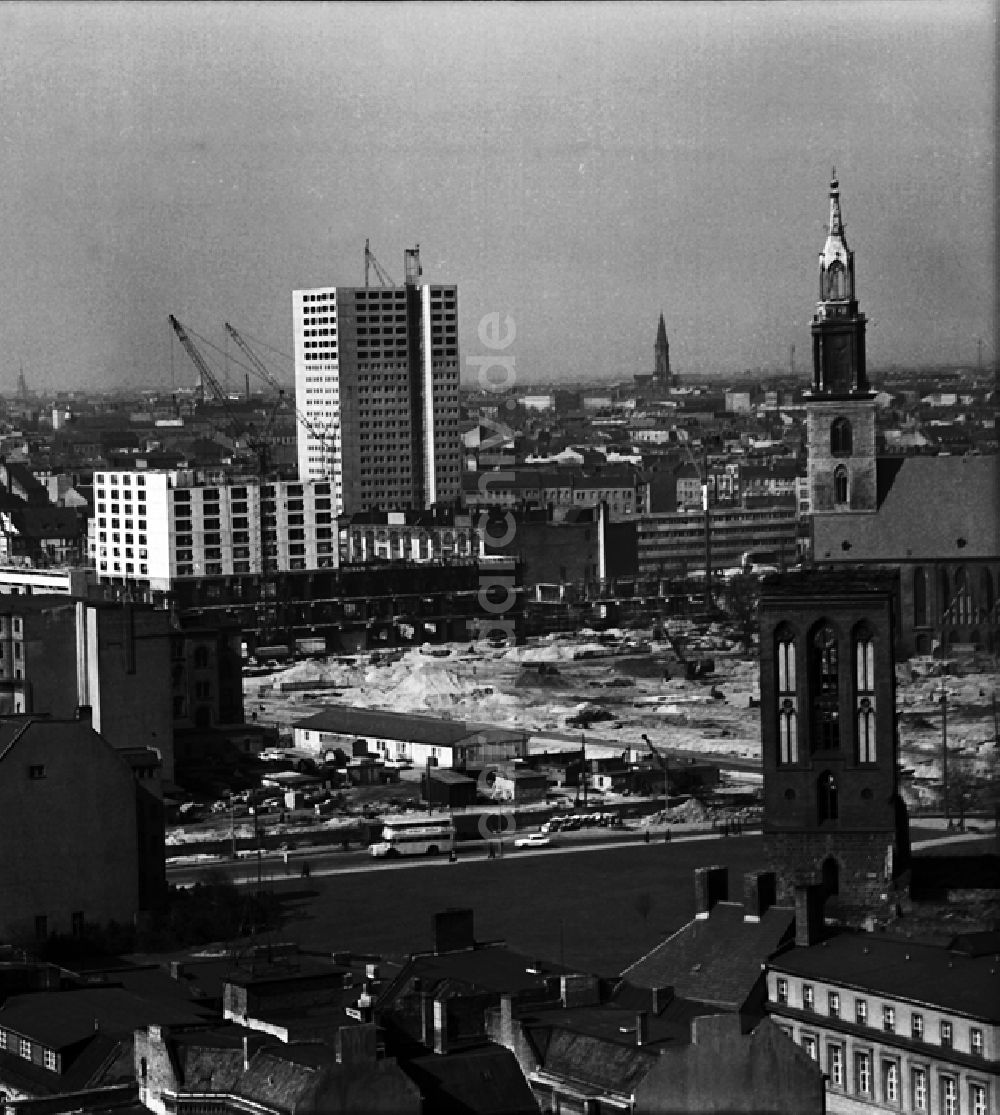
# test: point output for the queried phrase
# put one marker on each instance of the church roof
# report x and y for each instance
(929, 509)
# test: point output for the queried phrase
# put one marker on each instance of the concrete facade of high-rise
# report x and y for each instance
(153, 528)
(376, 388)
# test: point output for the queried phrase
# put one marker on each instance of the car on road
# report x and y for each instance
(533, 840)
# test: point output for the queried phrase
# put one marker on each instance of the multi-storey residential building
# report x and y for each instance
(621, 487)
(154, 528)
(896, 1025)
(675, 542)
(376, 386)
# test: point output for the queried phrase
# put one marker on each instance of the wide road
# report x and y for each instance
(274, 867)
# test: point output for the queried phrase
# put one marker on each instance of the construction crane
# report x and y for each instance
(664, 764)
(370, 263)
(261, 370)
(258, 444)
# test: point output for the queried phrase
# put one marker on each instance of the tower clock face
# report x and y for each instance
(838, 367)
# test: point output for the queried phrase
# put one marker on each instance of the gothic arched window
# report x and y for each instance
(841, 485)
(827, 798)
(787, 697)
(919, 598)
(841, 437)
(864, 694)
(825, 694)
(986, 595)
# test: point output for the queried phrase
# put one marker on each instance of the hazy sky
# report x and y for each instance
(579, 167)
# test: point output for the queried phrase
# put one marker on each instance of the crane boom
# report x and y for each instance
(372, 263)
(205, 373)
(260, 368)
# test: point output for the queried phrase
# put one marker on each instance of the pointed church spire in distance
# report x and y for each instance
(661, 372)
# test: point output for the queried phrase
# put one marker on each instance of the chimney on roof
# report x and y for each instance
(760, 892)
(711, 885)
(356, 1044)
(662, 997)
(809, 900)
(641, 1027)
(440, 1025)
(454, 930)
(578, 989)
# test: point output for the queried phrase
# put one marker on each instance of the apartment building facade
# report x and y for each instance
(896, 1025)
(376, 388)
(157, 527)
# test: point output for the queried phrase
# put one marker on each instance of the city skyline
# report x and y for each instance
(580, 168)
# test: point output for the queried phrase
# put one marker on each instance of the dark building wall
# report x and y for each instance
(859, 462)
(830, 808)
(74, 827)
(762, 1074)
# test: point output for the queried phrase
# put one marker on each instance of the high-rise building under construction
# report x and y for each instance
(376, 388)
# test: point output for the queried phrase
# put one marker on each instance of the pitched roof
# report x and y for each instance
(929, 508)
(929, 974)
(486, 1079)
(47, 522)
(595, 1062)
(57, 1019)
(347, 720)
(715, 959)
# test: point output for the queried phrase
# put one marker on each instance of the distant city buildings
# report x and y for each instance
(376, 385)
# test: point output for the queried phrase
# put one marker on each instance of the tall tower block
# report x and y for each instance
(840, 407)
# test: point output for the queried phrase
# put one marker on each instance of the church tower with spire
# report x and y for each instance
(661, 373)
(840, 407)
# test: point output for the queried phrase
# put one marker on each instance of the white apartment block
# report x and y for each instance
(376, 389)
(153, 528)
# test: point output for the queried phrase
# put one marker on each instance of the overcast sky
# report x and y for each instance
(578, 167)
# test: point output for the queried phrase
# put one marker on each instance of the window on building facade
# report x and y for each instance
(781, 990)
(835, 1065)
(841, 437)
(946, 1034)
(841, 486)
(808, 997)
(978, 1099)
(889, 1019)
(788, 741)
(863, 1073)
(861, 1012)
(809, 1045)
(976, 1041)
(825, 690)
(833, 1004)
(917, 1027)
(24, 1048)
(49, 1057)
(949, 1095)
(827, 798)
(918, 1088)
(890, 1082)
(3, 1039)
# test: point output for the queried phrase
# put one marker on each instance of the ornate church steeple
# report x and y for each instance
(838, 328)
(840, 407)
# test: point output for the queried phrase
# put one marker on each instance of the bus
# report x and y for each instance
(416, 836)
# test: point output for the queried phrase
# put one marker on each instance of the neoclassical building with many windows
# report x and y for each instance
(897, 1026)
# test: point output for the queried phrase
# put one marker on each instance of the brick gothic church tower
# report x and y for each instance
(840, 407)
(832, 811)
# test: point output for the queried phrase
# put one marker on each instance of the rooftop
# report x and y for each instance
(945, 978)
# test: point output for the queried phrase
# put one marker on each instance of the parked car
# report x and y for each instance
(533, 840)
